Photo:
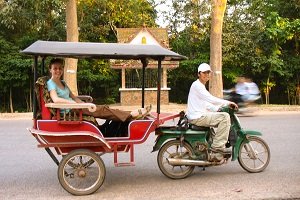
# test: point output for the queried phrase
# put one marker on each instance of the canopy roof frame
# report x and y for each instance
(101, 50)
(120, 51)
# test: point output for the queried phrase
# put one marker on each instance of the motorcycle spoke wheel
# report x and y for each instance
(172, 149)
(81, 172)
(254, 155)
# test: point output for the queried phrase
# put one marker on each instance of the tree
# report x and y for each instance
(280, 31)
(70, 70)
(193, 16)
(98, 20)
(260, 39)
(24, 22)
(263, 45)
(14, 75)
(255, 43)
(216, 82)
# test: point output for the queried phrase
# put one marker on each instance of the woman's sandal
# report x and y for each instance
(141, 115)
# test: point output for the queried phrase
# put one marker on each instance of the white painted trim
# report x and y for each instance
(146, 89)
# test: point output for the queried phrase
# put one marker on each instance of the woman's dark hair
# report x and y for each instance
(56, 60)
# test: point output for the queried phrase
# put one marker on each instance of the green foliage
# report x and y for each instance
(39, 19)
(24, 22)
(96, 78)
(260, 40)
(12, 66)
(98, 19)
(14, 72)
(181, 78)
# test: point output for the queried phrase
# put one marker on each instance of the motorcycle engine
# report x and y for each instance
(200, 150)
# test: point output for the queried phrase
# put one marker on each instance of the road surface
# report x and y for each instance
(27, 172)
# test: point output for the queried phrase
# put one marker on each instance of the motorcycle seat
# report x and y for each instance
(198, 128)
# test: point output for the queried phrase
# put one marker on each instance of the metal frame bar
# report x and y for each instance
(33, 92)
(131, 156)
(158, 86)
(52, 156)
(145, 63)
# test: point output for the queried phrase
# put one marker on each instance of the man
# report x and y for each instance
(253, 92)
(240, 91)
(202, 110)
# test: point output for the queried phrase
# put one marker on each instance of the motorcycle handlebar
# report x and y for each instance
(229, 109)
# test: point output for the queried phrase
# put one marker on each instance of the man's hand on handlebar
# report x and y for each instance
(233, 105)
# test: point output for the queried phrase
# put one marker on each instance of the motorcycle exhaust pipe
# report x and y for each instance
(178, 161)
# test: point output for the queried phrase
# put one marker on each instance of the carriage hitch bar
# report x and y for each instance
(52, 156)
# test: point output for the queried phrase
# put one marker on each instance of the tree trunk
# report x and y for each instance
(30, 98)
(70, 70)
(10, 100)
(288, 95)
(268, 92)
(298, 95)
(216, 82)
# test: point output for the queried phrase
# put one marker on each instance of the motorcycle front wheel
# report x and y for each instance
(254, 154)
(172, 149)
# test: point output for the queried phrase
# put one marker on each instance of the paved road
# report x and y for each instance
(27, 172)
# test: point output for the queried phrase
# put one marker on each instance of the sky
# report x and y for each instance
(164, 5)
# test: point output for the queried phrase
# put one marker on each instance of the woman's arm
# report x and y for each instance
(76, 99)
(57, 99)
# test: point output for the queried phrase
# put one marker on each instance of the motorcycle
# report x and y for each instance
(185, 146)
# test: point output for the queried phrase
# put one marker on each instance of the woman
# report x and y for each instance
(60, 93)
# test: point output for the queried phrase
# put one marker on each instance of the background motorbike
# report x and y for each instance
(185, 146)
(246, 103)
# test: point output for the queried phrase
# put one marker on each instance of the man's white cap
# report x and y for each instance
(204, 67)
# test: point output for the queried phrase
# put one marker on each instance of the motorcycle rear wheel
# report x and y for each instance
(172, 149)
(254, 154)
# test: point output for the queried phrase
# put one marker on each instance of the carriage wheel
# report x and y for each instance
(81, 172)
(254, 155)
(172, 149)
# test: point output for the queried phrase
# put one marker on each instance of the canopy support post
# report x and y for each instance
(158, 86)
(43, 66)
(33, 91)
(145, 63)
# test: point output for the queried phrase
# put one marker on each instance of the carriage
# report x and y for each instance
(74, 141)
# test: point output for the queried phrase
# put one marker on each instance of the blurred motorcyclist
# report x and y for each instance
(244, 92)
(240, 90)
(253, 92)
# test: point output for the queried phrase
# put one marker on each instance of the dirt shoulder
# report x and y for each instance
(176, 108)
